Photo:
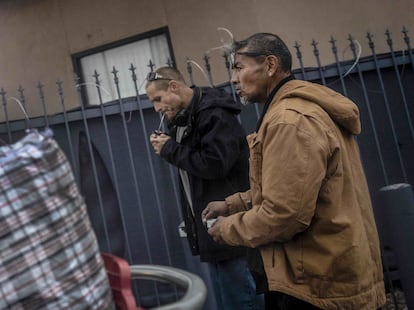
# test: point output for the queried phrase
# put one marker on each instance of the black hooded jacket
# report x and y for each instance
(214, 152)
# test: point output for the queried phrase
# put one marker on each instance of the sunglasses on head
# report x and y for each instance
(153, 76)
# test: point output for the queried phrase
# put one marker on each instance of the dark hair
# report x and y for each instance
(267, 44)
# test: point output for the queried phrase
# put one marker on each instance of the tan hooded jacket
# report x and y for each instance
(312, 216)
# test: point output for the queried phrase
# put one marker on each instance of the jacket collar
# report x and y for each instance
(270, 98)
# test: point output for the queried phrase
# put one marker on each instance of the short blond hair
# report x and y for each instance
(168, 73)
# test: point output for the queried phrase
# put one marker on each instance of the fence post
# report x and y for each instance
(396, 209)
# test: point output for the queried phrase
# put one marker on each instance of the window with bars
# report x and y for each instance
(136, 52)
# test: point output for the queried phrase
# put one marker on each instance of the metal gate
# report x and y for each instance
(131, 193)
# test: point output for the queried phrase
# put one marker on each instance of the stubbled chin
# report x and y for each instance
(244, 101)
(169, 116)
(242, 98)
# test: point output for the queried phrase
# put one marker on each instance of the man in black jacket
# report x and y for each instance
(207, 144)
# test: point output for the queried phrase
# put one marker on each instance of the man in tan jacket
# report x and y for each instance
(308, 209)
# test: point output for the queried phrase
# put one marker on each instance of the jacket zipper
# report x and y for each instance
(273, 255)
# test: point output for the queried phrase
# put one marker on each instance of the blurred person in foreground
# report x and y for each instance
(308, 209)
(208, 145)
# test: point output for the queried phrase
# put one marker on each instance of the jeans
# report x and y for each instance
(234, 287)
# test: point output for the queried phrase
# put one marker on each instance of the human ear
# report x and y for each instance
(272, 64)
(173, 85)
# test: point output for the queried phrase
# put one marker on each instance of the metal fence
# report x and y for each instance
(131, 193)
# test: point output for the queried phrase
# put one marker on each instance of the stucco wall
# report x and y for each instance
(37, 38)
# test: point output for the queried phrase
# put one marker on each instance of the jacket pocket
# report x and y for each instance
(293, 251)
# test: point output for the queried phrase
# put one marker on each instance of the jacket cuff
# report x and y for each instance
(165, 151)
(238, 202)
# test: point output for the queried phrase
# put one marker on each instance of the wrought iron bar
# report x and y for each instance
(338, 66)
(407, 42)
(151, 65)
(365, 64)
(190, 70)
(94, 170)
(148, 148)
(170, 63)
(299, 56)
(23, 101)
(208, 68)
(387, 106)
(155, 184)
(227, 64)
(42, 100)
(141, 109)
(6, 115)
(112, 162)
(68, 133)
(134, 175)
(400, 85)
(370, 115)
(175, 187)
(318, 61)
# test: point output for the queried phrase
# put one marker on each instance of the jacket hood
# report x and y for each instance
(214, 97)
(341, 109)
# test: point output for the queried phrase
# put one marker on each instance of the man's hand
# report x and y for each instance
(213, 210)
(158, 141)
(214, 231)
